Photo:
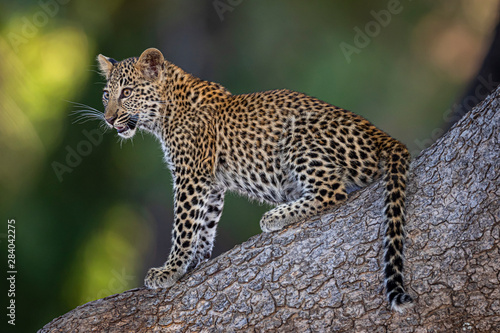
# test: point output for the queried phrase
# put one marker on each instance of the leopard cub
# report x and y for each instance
(282, 147)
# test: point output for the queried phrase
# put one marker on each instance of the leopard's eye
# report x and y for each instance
(105, 95)
(126, 92)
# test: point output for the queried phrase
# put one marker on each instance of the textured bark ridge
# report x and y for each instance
(325, 274)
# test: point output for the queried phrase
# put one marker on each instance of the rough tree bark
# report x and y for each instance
(325, 274)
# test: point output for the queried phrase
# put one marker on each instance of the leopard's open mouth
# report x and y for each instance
(131, 124)
(121, 128)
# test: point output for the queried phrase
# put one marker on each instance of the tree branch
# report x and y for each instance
(325, 274)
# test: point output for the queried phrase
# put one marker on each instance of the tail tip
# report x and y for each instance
(402, 302)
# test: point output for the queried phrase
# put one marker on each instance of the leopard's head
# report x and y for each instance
(132, 96)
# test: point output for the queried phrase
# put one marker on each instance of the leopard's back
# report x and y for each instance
(266, 139)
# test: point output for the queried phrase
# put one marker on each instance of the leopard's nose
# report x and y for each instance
(111, 120)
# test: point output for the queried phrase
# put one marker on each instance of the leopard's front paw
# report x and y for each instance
(271, 222)
(162, 277)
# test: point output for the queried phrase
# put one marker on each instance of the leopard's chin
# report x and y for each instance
(127, 132)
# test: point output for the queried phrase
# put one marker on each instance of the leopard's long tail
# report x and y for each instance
(396, 164)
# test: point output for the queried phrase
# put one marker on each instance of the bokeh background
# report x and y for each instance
(94, 213)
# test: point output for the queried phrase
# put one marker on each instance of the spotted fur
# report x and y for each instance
(281, 147)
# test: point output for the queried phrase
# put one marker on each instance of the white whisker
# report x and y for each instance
(86, 113)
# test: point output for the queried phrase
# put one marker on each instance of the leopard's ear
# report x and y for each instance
(150, 64)
(105, 65)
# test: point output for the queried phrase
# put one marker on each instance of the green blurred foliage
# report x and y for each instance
(93, 228)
